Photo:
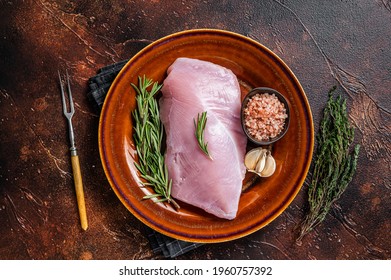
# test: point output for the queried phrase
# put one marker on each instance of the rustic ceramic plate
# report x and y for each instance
(255, 66)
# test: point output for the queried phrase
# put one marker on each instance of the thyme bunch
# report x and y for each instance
(335, 164)
(148, 138)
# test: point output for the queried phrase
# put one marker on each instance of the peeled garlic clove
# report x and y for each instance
(270, 166)
(251, 158)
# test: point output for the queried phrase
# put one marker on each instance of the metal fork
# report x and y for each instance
(74, 157)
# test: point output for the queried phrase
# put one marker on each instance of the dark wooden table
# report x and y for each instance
(325, 43)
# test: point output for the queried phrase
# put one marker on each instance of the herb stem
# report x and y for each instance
(148, 137)
(200, 125)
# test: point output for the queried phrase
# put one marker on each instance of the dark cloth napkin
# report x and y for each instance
(99, 85)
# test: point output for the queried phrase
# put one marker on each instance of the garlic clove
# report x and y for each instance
(261, 163)
(252, 157)
(270, 166)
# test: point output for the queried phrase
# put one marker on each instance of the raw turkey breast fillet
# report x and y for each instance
(194, 86)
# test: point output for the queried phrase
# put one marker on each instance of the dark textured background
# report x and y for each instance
(325, 43)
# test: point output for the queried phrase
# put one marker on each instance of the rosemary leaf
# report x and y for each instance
(148, 137)
(335, 164)
(199, 126)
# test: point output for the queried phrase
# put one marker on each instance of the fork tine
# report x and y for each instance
(72, 108)
(64, 105)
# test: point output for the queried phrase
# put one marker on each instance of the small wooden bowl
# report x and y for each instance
(281, 98)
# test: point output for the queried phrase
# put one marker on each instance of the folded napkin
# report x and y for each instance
(99, 85)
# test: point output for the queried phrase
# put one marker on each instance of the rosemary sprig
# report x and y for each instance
(148, 139)
(335, 165)
(200, 125)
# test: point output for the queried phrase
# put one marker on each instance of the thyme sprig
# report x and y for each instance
(148, 138)
(335, 165)
(199, 126)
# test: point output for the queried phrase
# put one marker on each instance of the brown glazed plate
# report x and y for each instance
(255, 66)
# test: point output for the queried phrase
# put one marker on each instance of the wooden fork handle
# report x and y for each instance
(79, 191)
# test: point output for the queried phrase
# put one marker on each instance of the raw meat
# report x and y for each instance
(192, 87)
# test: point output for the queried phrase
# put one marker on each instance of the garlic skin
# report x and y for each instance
(260, 161)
